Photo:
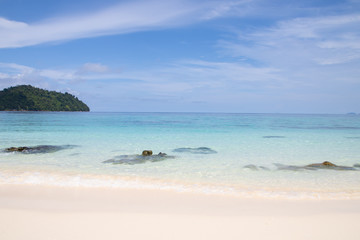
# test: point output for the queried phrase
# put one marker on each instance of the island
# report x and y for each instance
(29, 98)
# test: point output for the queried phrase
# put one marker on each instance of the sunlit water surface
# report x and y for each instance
(239, 140)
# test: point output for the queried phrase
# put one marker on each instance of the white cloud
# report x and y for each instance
(301, 42)
(13, 67)
(94, 68)
(8, 24)
(12, 74)
(317, 60)
(87, 71)
(122, 18)
(180, 77)
(4, 75)
(314, 27)
(219, 86)
(226, 8)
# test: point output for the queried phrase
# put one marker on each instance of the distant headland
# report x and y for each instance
(29, 98)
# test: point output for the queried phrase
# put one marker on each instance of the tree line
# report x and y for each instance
(29, 98)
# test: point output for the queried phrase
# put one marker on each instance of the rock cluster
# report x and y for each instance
(315, 166)
(146, 156)
(38, 149)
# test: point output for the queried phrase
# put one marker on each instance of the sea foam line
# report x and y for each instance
(142, 183)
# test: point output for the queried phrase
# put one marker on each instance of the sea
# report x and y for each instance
(235, 154)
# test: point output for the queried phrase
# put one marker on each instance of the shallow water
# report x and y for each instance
(214, 149)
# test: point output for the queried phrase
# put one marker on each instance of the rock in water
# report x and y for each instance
(321, 165)
(251, 167)
(38, 149)
(138, 159)
(147, 153)
(291, 167)
(329, 165)
(16, 149)
(314, 166)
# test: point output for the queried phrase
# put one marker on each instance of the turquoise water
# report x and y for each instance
(262, 140)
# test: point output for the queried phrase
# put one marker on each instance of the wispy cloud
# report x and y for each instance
(11, 25)
(15, 71)
(94, 68)
(183, 78)
(301, 42)
(122, 18)
(203, 85)
(315, 27)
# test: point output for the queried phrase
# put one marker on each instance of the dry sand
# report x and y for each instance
(39, 212)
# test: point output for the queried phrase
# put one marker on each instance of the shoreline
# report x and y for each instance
(42, 212)
(43, 178)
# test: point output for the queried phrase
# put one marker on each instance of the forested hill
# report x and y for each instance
(29, 98)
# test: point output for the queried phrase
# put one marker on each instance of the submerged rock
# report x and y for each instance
(289, 167)
(314, 166)
(329, 165)
(321, 165)
(162, 154)
(38, 149)
(251, 167)
(256, 168)
(138, 159)
(199, 150)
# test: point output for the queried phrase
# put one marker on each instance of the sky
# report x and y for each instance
(241, 56)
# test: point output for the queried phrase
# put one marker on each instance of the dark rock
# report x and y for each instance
(147, 153)
(38, 149)
(357, 165)
(314, 166)
(325, 164)
(329, 165)
(138, 159)
(199, 150)
(16, 149)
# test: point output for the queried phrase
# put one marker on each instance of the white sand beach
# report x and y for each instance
(41, 212)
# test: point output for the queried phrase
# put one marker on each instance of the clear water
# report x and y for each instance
(238, 139)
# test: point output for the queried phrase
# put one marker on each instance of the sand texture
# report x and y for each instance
(39, 212)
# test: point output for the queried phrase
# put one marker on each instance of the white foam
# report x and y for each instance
(125, 182)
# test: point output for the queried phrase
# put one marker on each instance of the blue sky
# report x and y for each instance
(280, 56)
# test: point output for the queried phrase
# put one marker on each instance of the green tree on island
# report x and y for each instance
(29, 98)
